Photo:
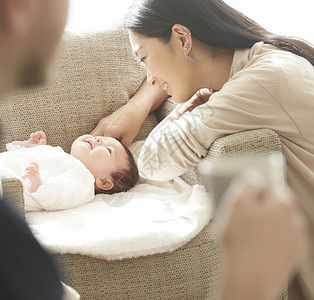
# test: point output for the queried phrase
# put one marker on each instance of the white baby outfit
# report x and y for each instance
(66, 182)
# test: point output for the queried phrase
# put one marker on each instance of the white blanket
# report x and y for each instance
(154, 217)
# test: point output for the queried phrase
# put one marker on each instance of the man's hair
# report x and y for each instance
(125, 178)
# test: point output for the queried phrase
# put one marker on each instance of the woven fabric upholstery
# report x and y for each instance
(93, 76)
(13, 191)
(190, 272)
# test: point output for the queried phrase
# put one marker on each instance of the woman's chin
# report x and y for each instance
(179, 99)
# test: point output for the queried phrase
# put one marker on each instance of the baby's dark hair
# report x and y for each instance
(125, 178)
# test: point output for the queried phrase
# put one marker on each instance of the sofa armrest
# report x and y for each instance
(12, 189)
(257, 141)
(260, 142)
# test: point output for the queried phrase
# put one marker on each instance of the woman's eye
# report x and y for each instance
(142, 61)
(109, 150)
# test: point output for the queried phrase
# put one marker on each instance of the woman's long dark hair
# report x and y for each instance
(210, 21)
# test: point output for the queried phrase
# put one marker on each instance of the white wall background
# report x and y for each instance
(288, 17)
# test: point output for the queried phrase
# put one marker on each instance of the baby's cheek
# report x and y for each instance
(100, 157)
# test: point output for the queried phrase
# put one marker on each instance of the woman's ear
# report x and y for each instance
(104, 184)
(183, 35)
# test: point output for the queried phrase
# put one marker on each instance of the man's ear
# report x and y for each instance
(104, 184)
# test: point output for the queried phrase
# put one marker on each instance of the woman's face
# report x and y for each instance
(166, 65)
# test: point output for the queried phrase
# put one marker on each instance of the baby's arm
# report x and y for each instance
(33, 177)
(71, 189)
(36, 139)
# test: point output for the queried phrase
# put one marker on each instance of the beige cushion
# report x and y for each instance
(92, 77)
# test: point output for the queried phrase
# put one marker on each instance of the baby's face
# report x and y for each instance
(102, 156)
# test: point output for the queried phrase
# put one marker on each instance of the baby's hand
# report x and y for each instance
(36, 139)
(33, 176)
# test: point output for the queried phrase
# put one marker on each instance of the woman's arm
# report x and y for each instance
(125, 123)
(149, 96)
(174, 147)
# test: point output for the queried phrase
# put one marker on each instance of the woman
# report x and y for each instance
(255, 79)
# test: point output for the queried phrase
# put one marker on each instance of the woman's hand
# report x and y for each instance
(264, 237)
(124, 124)
(199, 98)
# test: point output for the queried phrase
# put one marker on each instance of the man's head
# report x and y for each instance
(29, 33)
(110, 162)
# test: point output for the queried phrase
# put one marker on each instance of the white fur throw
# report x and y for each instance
(154, 217)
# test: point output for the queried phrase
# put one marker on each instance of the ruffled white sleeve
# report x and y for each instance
(16, 145)
(70, 189)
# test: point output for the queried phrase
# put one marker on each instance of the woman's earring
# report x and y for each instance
(188, 56)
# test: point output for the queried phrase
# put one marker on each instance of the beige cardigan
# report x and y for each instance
(267, 88)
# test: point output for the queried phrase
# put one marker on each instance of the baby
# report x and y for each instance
(55, 180)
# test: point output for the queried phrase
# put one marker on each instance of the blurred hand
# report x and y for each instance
(124, 124)
(264, 236)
